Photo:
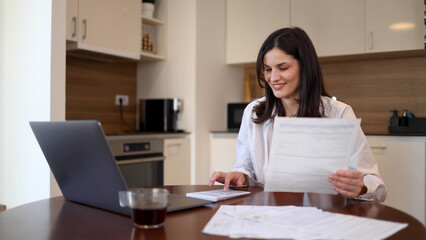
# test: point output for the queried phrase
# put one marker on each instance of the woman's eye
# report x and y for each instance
(283, 69)
(268, 69)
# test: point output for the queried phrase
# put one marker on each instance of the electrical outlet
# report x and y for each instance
(124, 99)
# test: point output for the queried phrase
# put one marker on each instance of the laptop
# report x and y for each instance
(82, 163)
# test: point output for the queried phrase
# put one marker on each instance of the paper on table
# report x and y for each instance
(295, 223)
(304, 151)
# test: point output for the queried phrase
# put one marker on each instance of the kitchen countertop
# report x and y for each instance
(400, 134)
(224, 131)
(146, 135)
(372, 134)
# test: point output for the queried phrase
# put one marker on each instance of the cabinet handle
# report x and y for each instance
(370, 41)
(378, 147)
(174, 145)
(74, 27)
(85, 29)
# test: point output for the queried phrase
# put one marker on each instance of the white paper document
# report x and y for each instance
(295, 223)
(304, 151)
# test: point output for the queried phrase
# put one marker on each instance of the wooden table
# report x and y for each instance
(56, 218)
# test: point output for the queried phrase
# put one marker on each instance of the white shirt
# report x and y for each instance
(254, 141)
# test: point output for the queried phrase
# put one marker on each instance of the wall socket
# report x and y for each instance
(124, 99)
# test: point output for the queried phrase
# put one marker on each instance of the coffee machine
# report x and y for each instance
(159, 115)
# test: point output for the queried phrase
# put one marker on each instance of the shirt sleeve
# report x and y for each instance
(244, 163)
(363, 160)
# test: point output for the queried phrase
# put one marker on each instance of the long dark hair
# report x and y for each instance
(294, 42)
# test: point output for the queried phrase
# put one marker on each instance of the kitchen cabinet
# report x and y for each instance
(249, 22)
(336, 27)
(366, 27)
(223, 151)
(72, 21)
(111, 27)
(153, 45)
(401, 162)
(394, 25)
(177, 165)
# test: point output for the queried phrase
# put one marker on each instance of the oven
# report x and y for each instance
(141, 161)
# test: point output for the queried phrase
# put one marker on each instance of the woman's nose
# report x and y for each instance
(275, 75)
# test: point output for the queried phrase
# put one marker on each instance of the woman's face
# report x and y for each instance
(281, 72)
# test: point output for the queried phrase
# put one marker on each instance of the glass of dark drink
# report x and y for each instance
(149, 206)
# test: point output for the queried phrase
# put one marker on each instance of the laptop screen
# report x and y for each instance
(81, 160)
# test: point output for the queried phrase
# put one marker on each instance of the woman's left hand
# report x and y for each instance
(348, 183)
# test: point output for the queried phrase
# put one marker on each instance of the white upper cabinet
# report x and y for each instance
(336, 27)
(111, 27)
(72, 20)
(394, 25)
(249, 22)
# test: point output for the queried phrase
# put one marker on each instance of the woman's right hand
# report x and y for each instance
(227, 178)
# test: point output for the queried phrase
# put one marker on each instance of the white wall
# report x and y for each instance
(216, 83)
(2, 76)
(195, 71)
(57, 71)
(25, 74)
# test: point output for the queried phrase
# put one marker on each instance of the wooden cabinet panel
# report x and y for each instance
(91, 87)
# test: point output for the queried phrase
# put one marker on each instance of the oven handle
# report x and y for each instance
(140, 160)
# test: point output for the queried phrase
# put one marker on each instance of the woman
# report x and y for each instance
(288, 68)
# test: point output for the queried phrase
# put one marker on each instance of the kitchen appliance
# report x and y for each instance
(141, 161)
(159, 115)
(235, 114)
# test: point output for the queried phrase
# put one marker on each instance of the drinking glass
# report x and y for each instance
(149, 206)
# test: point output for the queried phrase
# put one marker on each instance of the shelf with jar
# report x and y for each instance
(153, 43)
